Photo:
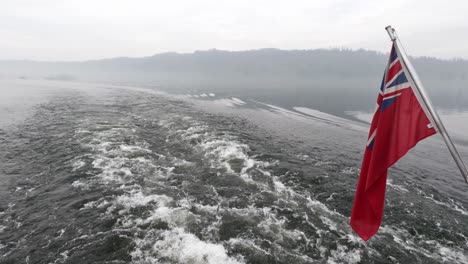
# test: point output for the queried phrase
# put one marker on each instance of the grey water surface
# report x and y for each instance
(94, 173)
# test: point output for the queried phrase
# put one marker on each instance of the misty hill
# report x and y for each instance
(345, 78)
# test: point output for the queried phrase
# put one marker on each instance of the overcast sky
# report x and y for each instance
(93, 29)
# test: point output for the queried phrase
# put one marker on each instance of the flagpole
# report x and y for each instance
(427, 104)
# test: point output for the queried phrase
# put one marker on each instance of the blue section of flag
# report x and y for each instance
(371, 144)
(387, 102)
(393, 55)
(382, 85)
(399, 80)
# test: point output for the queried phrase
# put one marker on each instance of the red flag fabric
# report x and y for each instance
(399, 123)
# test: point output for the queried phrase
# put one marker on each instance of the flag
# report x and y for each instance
(398, 124)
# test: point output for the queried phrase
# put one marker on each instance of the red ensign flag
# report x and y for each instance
(398, 124)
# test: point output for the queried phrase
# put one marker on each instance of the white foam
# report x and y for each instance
(279, 186)
(449, 255)
(321, 208)
(439, 252)
(302, 157)
(237, 101)
(118, 161)
(134, 149)
(101, 203)
(450, 205)
(350, 170)
(324, 163)
(224, 151)
(363, 116)
(63, 256)
(343, 255)
(247, 243)
(203, 95)
(212, 94)
(182, 247)
(80, 185)
(397, 187)
(220, 152)
(137, 198)
(78, 165)
(233, 102)
(290, 114)
(174, 244)
(252, 245)
(331, 197)
(286, 112)
(321, 115)
(225, 102)
(327, 221)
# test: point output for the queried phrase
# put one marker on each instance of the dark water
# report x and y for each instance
(98, 174)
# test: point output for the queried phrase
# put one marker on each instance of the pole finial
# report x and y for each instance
(391, 32)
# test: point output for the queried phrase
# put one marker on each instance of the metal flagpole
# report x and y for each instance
(426, 102)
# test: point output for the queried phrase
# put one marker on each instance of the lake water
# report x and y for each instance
(95, 173)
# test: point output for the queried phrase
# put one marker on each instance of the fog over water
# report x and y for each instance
(333, 81)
